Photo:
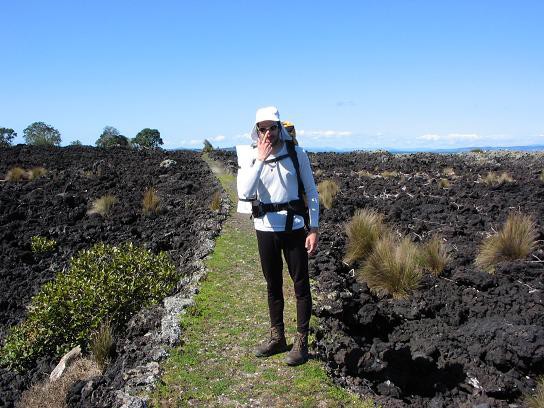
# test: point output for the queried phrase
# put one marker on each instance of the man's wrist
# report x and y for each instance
(314, 229)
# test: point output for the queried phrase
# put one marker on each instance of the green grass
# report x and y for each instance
(215, 366)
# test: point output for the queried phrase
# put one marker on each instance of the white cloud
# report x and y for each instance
(217, 138)
(450, 137)
(319, 134)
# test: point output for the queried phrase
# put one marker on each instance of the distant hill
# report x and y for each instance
(530, 148)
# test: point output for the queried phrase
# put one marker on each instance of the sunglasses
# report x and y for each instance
(263, 130)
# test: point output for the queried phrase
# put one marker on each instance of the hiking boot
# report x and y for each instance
(299, 353)
(274, 344)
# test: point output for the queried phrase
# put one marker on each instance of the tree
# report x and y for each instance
(6, 136)
(111, 137)
(41, 134)
(148, 138)
(75, 143)
(207, 146)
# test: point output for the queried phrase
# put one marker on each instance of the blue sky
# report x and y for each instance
(349, 74)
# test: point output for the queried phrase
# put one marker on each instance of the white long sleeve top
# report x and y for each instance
(277, 183)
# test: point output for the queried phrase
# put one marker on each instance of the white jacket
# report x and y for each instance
(277, 183)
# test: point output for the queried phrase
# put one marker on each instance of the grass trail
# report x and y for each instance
(215, 366)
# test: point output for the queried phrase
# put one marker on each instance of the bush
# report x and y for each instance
(495, 179)
(363, 231)
(111, 137)
(150, 202)
(433, 256)
(16, 174)
(75, 143)
(515, 240)
(150, 138)
(103, 205)
(104, 282)
(327, 191)
(477, 150)
(6, 136)
(207, 146)
(215, 203)
(541, 177)
(101, 345)
(42, 244)
(41, 134)
(536, 400)
(392, 268)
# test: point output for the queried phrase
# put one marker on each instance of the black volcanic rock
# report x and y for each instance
(55, 206)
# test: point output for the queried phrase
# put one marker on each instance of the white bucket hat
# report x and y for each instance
(268, 113)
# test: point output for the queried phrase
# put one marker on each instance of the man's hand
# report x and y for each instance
(311, 241)
(264, 148)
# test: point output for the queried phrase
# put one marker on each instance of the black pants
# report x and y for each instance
(292, 245)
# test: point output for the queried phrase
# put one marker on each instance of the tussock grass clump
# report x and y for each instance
(327, 190)
(448, 172)
(103, 282)
(515, 240)
(365, 173)
(150, 202)
(40, 244)
(494, 179)
(444, 183)
(16, 174)
(433, 256)
(363, 231)
(103, 205)
(536, 400)
(36, 172)
(101, 345)
(53, 394)
(392, 268)
(318, 173)
(389, 174)
(215, 203)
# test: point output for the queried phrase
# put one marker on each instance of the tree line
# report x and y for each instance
(42, 134)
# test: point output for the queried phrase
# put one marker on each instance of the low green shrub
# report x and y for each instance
(40, 244)
(103, 282)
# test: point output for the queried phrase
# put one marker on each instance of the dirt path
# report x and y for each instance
(215, 365)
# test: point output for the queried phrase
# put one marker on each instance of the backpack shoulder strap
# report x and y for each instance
(291, 151)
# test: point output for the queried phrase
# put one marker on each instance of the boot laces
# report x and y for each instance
(299, 342)
(275, 334)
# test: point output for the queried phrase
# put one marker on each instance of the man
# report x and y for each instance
(274, 181)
